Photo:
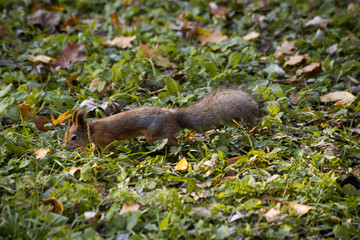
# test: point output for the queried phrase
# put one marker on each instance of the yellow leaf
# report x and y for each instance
(201, 31)
(63, 117)
(39, 58)
(182, 165)
(57, 206)
(342, 98)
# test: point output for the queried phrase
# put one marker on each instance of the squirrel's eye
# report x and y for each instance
(73, 138)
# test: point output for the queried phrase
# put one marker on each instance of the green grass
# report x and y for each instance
(305, 151)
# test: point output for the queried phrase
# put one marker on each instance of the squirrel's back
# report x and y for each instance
(218, 108)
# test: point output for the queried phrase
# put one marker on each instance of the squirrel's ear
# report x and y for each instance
(73, 119)
(80, 119)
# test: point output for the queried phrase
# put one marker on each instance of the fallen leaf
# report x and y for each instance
(69, 80)
(313, 69)
(198, 195)
(215, 37)
(331, 50)
(25, 110)
(47, 20)
(155, 55)
(120, 42)
(40, 121)
(285, 49)
(69, 23)
(73, 170)
(63, 117)
(40, 153)
(251, 36)
(3, 31)
(300, 209)
(326, 146)
(39, 58)
(296, 59)
(318, 22)
(69, 54)
(279, 70)
(100, 87)
(202, 31)
(129, 208)
(353, 9)
(342, 98)
(272, 214)
(352, 36)
(91, 217)
(57, 206)
(219, 11)
(182, 165)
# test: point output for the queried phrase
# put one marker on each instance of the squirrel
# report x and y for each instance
(155, 123)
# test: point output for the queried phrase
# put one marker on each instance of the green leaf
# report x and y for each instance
(164, 223)
(349, 189)
(172, 85)
(6, 90)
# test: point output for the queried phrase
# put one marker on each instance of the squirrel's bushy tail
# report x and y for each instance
(219, 107)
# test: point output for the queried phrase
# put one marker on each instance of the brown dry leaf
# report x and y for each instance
(39, 58)
(48, 20)
(313, 69)
(296, 59)
(73, 170)
(215, 37)
(233, 160)
(120, 42)
(63, 117)
(300, 209)
(69, 23)
(69, 54)
(328, 147)
(272, 214)
(129, 208)
(293, 97)
(101, 88)
(198, 195)
(285, 49)
(353, 9)
(182, 165)
(115, 20)
(40, 121)
(3, 31)
(318, 22)
(57, 206)
(251, 36)
(25, 110)
(219, 11)
(40, 153)
(69, 80)
(352, 36)
(155, 55)
(343, 98)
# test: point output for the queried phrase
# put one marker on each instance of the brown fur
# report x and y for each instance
(159, 123)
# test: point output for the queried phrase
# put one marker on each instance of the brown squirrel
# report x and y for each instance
(154, 123)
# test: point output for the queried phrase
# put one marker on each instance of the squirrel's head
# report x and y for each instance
(77, 135)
